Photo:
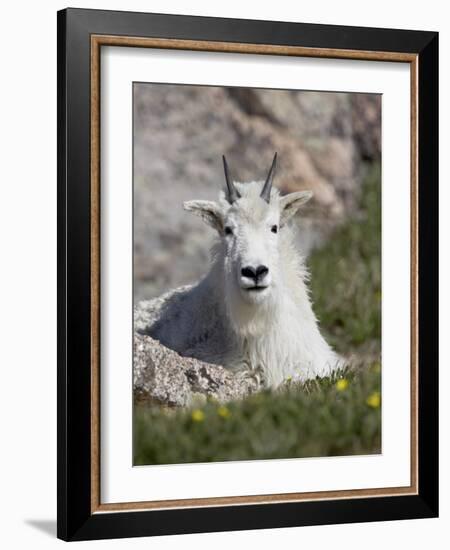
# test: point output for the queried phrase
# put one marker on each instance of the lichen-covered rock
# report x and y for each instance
(162, 376)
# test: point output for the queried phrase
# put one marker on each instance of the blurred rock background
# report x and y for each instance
(323, 139)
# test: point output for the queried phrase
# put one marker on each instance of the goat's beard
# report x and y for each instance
(249, 313)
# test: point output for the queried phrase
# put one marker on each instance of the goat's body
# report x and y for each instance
(251, 313)
(276, 340)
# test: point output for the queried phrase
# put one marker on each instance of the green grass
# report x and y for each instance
(320, 417)
(346, 276)
(316, 419)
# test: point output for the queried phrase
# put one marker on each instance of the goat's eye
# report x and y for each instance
(274, 228)
(228, 230)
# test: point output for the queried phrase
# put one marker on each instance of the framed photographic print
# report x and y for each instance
(247, 256)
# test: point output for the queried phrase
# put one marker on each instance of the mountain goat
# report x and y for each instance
(251, 313)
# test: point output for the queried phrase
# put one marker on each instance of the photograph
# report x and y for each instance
(247, 274)
(256, 273)
(224, 221)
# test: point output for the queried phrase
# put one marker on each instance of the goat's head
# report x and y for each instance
(249, 218)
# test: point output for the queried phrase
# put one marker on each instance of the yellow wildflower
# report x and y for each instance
(224, 412)
(374, 400)
(197, 415)
(342, 384)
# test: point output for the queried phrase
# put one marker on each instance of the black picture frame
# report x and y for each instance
(75, 518)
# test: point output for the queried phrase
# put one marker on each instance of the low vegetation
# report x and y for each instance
(346, 277)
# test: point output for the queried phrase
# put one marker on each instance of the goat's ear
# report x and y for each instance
(209, 211)
(289, 204)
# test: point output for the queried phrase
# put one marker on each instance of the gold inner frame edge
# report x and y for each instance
(97, 41)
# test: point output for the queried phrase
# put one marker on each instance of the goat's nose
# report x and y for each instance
(261, 271)
(249, 272)
(255, 273)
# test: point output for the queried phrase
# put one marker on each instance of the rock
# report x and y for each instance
(366, 121)
(164, 377)
(180, 134)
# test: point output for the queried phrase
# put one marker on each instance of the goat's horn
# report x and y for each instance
(265, 193)
(233, 193)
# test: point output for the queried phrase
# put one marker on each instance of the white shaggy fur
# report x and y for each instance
(272, 332)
